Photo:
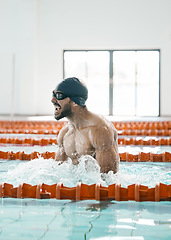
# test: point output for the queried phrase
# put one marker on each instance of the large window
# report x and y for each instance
(119, 82)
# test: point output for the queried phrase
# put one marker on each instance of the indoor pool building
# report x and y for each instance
(121, 51)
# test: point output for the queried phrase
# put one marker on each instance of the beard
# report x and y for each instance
(64, 111)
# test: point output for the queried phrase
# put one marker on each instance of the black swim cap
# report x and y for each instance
(74, 89)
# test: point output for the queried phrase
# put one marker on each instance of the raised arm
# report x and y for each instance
(104, 141)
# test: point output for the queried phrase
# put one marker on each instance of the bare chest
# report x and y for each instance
(77, 143)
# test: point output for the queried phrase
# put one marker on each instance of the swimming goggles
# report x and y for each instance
(59, 95)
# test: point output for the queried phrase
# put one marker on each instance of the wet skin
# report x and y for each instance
(86, 134)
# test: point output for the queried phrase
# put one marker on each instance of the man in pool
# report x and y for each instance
(86, 133)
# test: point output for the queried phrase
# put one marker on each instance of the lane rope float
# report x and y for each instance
(134, 192)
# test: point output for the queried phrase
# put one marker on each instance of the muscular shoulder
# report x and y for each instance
(102, 135)
(62, 133)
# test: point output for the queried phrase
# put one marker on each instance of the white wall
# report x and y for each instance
(37, 32)
(17, 39)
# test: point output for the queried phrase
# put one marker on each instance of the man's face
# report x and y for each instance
(62, 107)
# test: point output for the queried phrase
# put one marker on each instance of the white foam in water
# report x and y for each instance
(87, 171)
(50, 171)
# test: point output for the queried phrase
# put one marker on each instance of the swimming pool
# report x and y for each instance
(58, 219)
(32, 218)
(50, 172)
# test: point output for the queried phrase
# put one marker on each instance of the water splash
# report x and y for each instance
(50, 171)
(87, 171)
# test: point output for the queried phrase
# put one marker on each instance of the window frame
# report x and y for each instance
(111, 73)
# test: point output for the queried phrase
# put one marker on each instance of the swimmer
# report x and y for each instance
(86, 133)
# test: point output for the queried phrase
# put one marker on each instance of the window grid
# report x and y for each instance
(111, 75)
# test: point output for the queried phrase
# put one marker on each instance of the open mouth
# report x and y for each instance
(57, 108)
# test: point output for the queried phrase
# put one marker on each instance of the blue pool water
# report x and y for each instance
(50, 172)
(53, 219)
(32, 219)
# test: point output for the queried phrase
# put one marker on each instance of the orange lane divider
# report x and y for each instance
(121, 141)
(29, 141)
(134, 192)
(143, 125)
(145, 132)
(125, 156)
(30, 131)
(142, 141)
(160, 128)
(10, 155)
(121, 125)
(56, 131)
(145, 157)
(31, 127)
(46, 125)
